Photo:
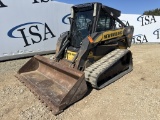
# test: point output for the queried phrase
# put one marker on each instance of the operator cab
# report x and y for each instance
(87, 19)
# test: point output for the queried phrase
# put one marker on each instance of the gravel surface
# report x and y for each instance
(136, 96)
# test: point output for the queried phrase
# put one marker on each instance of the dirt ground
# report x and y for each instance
(136, 96)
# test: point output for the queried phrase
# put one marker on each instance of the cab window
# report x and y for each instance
(104, 22)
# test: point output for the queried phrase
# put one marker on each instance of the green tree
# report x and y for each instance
(155, 12)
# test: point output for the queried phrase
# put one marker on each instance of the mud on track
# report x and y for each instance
(134, 96)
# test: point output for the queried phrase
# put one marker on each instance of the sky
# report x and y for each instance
(125, 6)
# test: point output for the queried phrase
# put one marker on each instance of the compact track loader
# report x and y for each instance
(93, 52)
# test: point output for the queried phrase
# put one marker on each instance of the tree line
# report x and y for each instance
(155, 12)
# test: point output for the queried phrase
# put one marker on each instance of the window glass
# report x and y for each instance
(80, 26)
(104, 22)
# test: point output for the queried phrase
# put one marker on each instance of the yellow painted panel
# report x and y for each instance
(110, 34)
(70, 55)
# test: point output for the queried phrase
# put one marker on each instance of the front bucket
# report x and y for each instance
(55, 84)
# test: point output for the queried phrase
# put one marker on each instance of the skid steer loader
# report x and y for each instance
(93, 52)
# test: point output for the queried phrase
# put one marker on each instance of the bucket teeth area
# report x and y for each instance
(57, 86)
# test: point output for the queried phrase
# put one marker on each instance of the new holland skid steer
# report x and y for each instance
(93, 52)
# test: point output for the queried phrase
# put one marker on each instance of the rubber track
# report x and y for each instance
(93, 72)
